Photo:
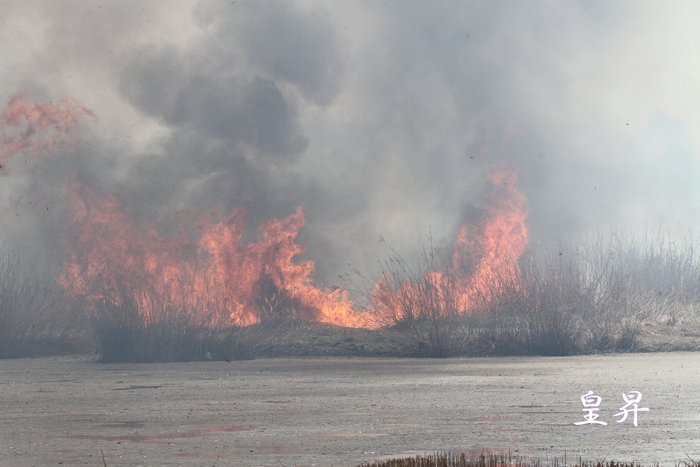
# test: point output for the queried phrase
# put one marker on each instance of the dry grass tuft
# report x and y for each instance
(498, 460)
(33, 318)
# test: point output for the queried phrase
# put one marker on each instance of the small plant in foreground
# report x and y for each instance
(499, 460)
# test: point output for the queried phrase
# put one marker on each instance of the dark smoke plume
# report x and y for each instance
(380, 118)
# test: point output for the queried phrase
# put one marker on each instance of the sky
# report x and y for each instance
(380, 118)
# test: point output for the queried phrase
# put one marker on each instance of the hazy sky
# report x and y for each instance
(381, 118)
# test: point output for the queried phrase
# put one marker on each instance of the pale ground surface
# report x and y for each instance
(341, 411)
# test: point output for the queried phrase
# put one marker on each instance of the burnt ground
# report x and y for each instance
(341, 411)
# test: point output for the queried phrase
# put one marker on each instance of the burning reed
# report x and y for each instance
(214, 275)
(187, 296)
(173, 290)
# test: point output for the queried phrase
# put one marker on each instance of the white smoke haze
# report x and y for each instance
(380, 118)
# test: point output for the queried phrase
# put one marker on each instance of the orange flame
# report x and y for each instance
(483, 262)
(218, 279)
(221, 280)
(498, 243)
(38, 128)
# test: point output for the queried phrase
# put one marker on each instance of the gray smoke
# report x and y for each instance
(380, 118)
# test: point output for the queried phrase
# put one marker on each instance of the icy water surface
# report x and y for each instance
(343, 411)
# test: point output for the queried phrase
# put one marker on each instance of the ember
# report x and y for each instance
(38, 128)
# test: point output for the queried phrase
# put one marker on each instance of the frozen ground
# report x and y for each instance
(341, 411)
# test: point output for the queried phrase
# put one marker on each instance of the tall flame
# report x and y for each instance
(217, 278)
(484, 260)
(38, 128)
(497, 243)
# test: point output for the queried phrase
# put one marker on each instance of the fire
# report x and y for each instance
(217, 278)
(498, 242)
(38, 128)
(484, 260)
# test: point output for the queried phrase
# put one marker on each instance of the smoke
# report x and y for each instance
(381, 119)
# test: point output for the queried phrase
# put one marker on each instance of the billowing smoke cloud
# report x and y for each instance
(380, 118)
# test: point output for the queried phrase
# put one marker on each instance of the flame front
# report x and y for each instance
(217, 279)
